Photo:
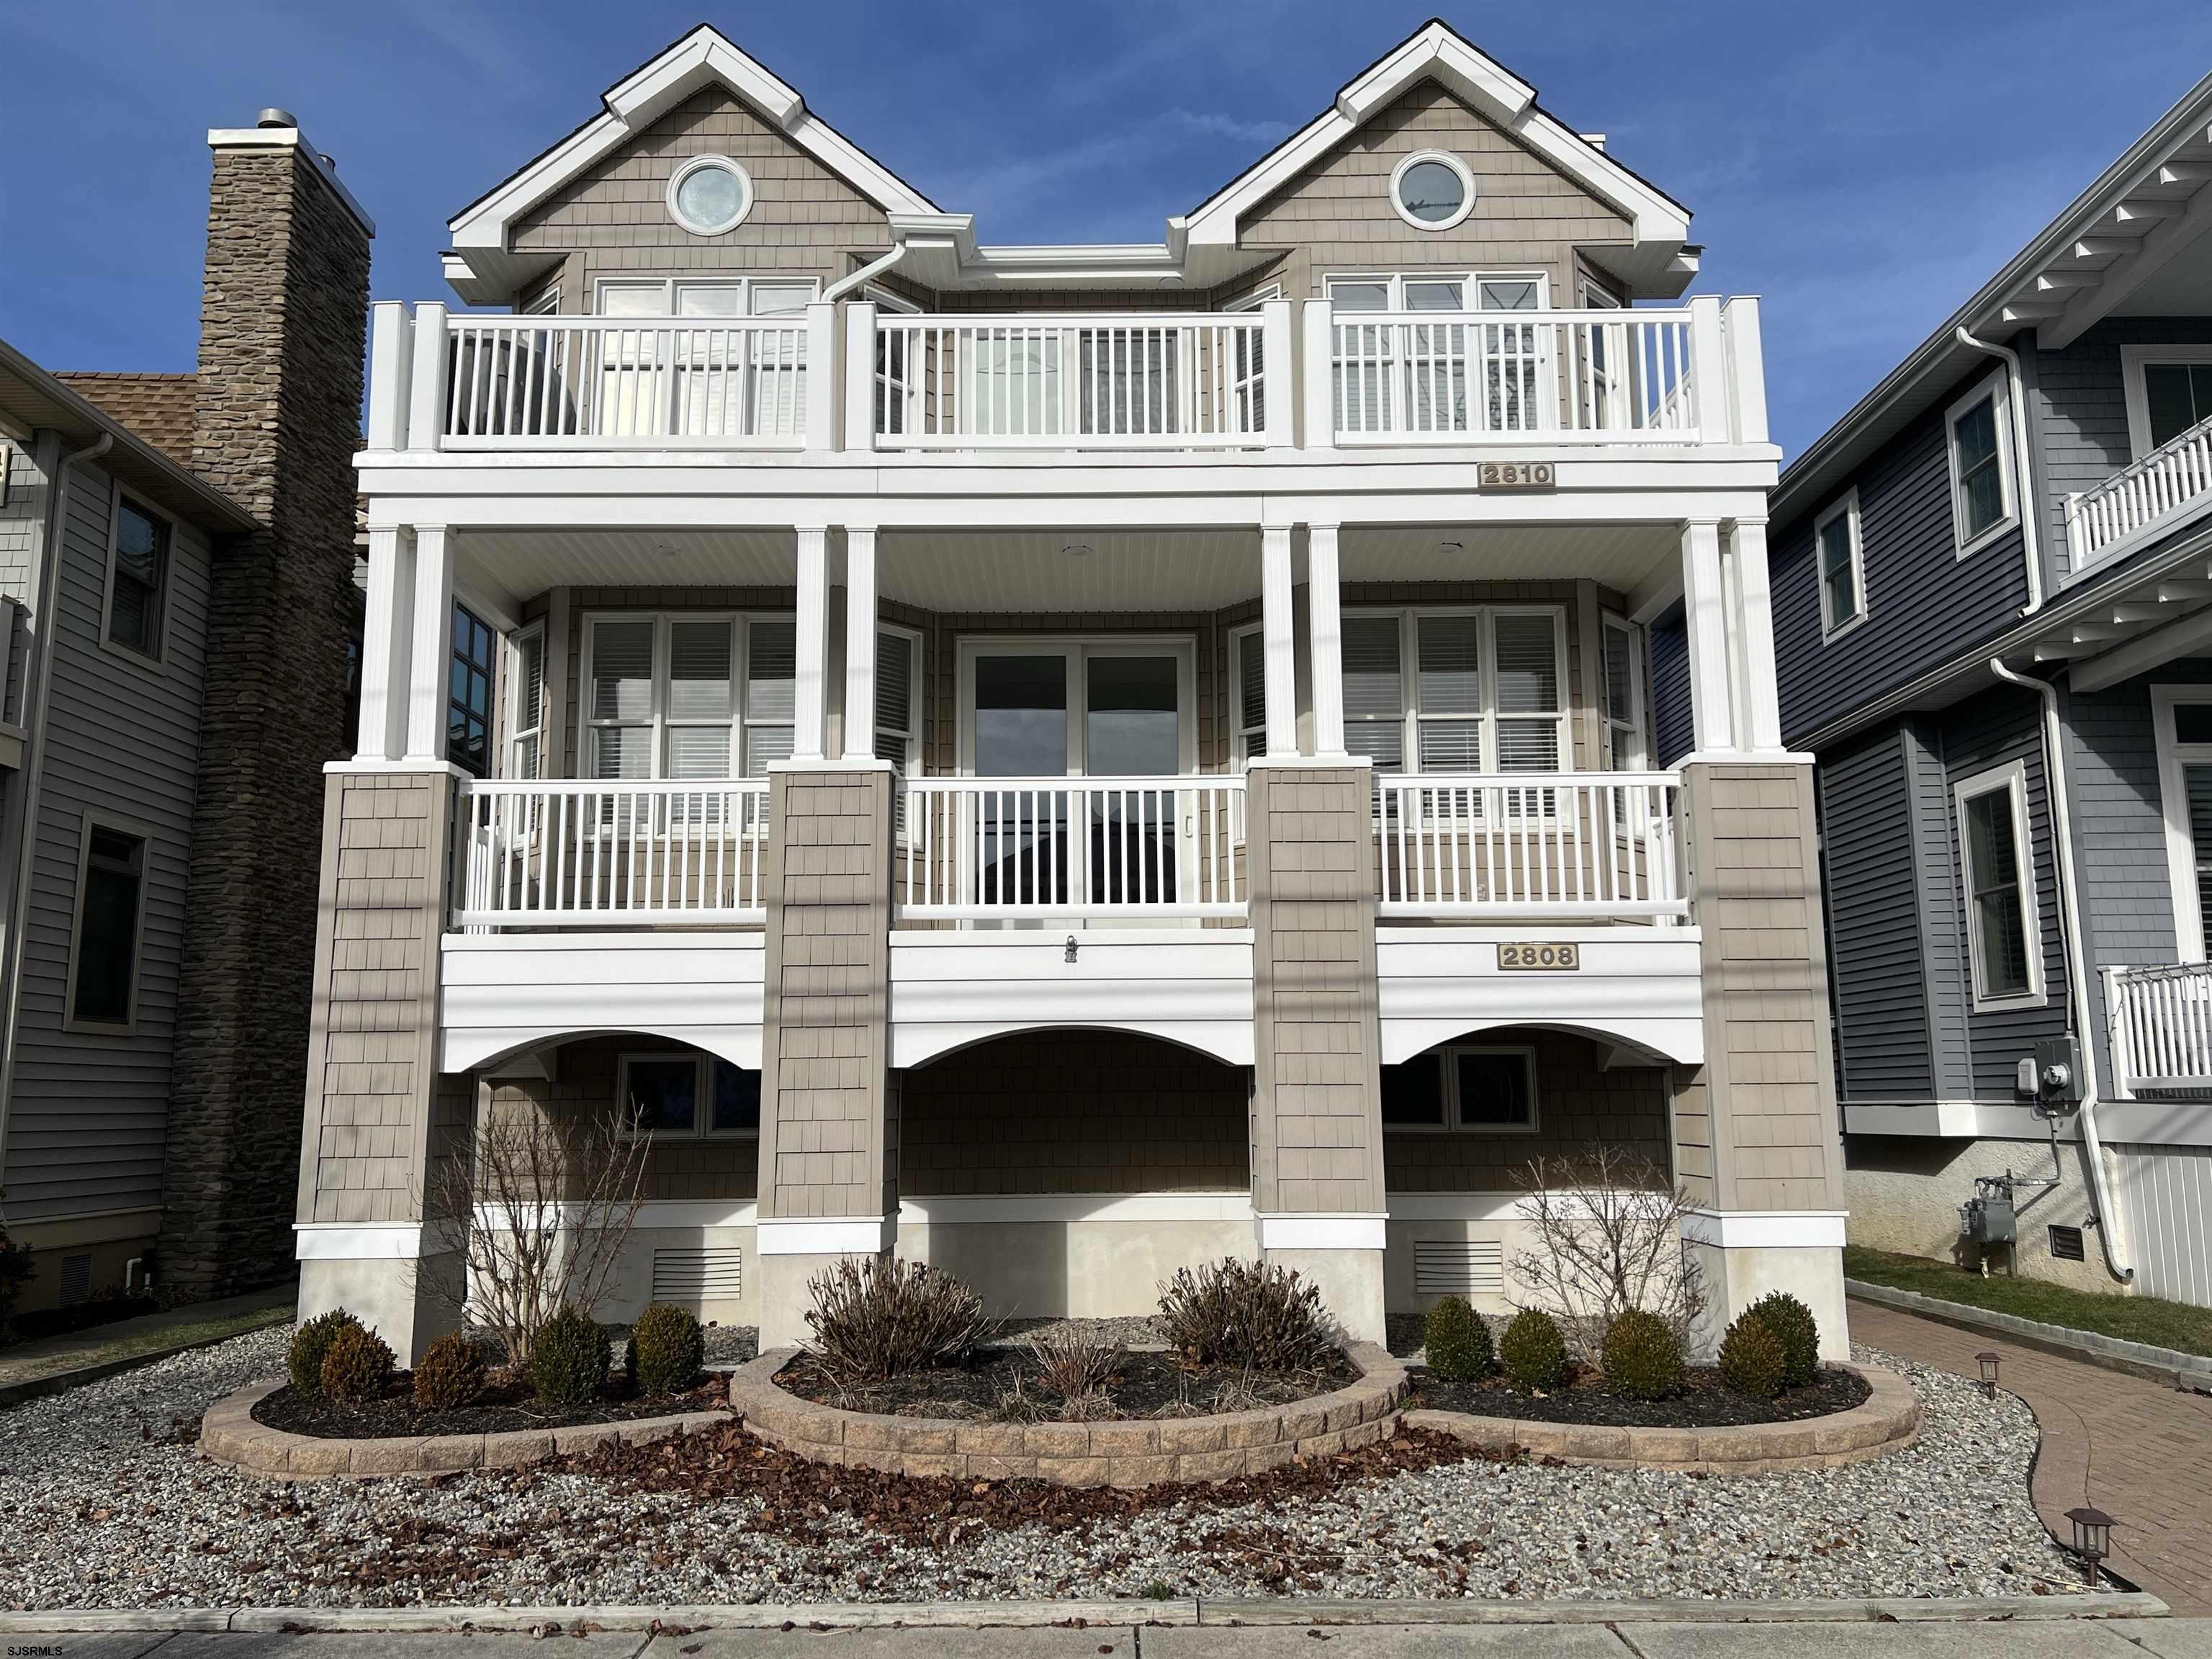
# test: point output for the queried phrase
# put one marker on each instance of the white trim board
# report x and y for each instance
(1073, 1209)
(867, 1235)
(1322, 1232)
(1765, 1230)
(390, 1240)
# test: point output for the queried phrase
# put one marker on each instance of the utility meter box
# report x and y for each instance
(2058, 1075)
(1987, 1219)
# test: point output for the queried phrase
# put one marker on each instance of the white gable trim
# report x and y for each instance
(1436, 52)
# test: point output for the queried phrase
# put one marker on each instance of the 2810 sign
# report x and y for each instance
(1516, 475)
(1541, 957)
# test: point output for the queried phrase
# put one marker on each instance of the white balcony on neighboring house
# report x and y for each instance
(2141, 501)
(2161, 1021)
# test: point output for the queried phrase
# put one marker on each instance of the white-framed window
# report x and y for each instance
(1841, 565)
(709, 195)
(1247, 672)
(689, 1096)
(139, 545)
(1439, 290)
(1457, 689)
(661, 694)
(1473, 1088)
(1064, 705)
(705, 296)
(526, 701)
(107, 934)
(2004, 935)
(1432, 190)
(1627, 746)
(2169, 391)
(1977, 443)
(2182, 718)
(898, 697)
(469, 687)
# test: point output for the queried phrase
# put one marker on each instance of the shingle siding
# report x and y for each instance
(1882, 1005)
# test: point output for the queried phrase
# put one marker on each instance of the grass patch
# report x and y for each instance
(2131, 1318)
(101, 1345)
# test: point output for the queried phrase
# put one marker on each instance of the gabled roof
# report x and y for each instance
(159, 408)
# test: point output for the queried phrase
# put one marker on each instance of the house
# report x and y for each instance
(176, 556)
(1991, 583)
(1067, 762)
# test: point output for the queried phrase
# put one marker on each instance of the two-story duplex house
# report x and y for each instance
(1990, 587)
(1065, 761)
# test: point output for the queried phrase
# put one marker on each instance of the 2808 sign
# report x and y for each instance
(1515, 475)
(1541, 958)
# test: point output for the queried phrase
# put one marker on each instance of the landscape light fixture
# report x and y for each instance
(1988, 1362)
(2093, 1538)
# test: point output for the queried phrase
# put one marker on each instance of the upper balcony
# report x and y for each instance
(2141, 501)
(1277, 381)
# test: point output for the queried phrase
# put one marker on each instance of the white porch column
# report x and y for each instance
(387, 623)
(859, 374)
(1704, 610)
(1319, 327)
(1325, 623)
(431, 644)
(813, 622)
(1280, 657)
(426, 379)
(1752, 624)
(860, 642)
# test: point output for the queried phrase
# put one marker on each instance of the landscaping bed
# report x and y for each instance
(1705, 1402)
(506, 1406)
(1007, 1385)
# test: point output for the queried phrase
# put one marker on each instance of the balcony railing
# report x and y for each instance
(979, 849)
(2141, 501)
(557, 853)
(1559, 846)
(2160, 1020)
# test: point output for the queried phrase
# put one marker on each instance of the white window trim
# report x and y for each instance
(1640, 729)
(585, 764)
(2012, 777)
(158, 662)
(512, 730)
(1846, 507)
(1995, 388)
(917, 715)
(700, 163)
(1078, 648)
(1409, 680)
(1466, 183)
(2133, 358)
(144, 834)
(1452, 1124)
(1258, 297)
(745, 282)
(702, 1096)
(1252, 637)
(1469, 280)
(2173, 756)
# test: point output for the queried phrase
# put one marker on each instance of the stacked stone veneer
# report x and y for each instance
(276, 422)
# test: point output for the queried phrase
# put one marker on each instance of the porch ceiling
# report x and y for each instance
(1623, 556)
(527, 562)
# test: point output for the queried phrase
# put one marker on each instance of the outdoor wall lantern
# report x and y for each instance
(1988, 1362)
(2093, 1538)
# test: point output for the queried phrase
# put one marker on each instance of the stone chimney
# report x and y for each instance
(276, 422)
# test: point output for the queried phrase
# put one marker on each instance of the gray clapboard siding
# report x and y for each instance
(1880, 998)
(86, 1128)
(1943, 967)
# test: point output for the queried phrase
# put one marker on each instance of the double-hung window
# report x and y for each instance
(1462, 689)
(1997, 867)
(1248, 651)
(468, 693)
(1627, 748)
(1978, 439)
(689, 1096)
(110, 911)
(663, 700)
(1841, 565)
(526, 702)
(898, 698)
(691, 367)
(2169, 393)
(2182, 716)
(137, 579)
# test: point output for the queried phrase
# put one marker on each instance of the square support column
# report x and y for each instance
(1759, 694)
(1325, 625)
(859, 725)
(430, 644)
(811, 624)
(1706, 616)
(1278, 640)
(387, 632)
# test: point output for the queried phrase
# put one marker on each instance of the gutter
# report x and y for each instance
(865, 275)
(2077, 981)
(2030, 503)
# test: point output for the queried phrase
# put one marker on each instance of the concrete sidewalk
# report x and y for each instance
(2135, 1638)
(54, 1363)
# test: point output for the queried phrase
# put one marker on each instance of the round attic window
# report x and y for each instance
(710, 194)
(1433, 191)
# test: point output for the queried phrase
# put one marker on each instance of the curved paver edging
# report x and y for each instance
(229, 1435)
(1128, 1452)
(1887, 1419)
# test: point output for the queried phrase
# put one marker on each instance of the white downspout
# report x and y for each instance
(2077, 977)
(865, 275)
(2031, 509)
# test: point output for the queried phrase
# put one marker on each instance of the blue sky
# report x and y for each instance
(1862, 166)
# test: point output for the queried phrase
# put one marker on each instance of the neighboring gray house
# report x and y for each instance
(176, 605)
(1992, 593)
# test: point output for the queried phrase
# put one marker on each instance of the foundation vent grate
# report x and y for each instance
(76, 1285)
(1458, 1266)
(2066, 1244)
(699, 1275)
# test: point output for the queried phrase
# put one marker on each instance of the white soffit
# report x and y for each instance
(1122, 570)
(526, 562)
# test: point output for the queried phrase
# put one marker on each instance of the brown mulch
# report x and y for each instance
(508, 1407)
(1705, 1402)
(998, 1385)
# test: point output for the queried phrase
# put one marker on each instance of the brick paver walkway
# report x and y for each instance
(2139, 1451)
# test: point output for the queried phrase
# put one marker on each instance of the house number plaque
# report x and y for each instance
(1542, 958)
(1516, 475)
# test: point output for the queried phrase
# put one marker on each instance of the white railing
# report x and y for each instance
(2140, 500)
(1173, 380)
(976, 849)
(523, 382)
(1621, 376)
(1534, 845)
(2161, 1021)
(560, 854)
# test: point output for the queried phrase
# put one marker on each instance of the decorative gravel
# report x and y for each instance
(104, 1502)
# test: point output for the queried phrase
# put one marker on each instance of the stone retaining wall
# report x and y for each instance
(229, 1434)
(1128, 1453)
(1888, 1420)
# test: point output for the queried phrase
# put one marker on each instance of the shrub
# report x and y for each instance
(1792, 1325)
(15, 1271)
(1532, 1351)
(1458, 1341)
(1752, 1358)
(1255, 1315)
(1643, 1357)
(1076, 1364)
(878, 1317)
(666, 1349)
(356, 1367)
(311, 1342)
(569, 1363)
(450, 1375)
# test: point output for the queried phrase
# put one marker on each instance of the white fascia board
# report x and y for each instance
(1323, 1232)
(1070, 1209)
(316, 1240)
(1765, 1230)
(700, 59)
(859, 1234)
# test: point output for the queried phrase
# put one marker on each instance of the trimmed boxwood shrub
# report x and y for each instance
(1753, 1360)
(357, 1366)
(311, 1342)
(1793, 1326)
(569, 1362)
(666, 1349)
(450, 1375)
(1458, 1342)
(1532, 1351)
(1642, 1356)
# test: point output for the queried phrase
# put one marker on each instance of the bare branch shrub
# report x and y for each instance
(1607, 1237)
(877, 1317)
(1077, 1363)
(544, 1204)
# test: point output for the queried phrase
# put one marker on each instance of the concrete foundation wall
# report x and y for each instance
(1082, 1269)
